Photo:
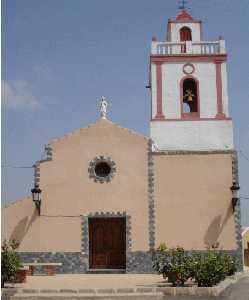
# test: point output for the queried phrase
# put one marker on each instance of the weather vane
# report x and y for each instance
(182, 4)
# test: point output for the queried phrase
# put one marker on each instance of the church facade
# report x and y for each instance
(110, 196)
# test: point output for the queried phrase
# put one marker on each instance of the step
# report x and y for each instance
(107, 293)
(106, 271)
(79, 296)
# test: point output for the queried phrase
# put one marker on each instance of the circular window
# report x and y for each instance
(102, 169)
(188, 69)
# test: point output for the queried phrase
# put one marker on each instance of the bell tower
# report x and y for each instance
(189, 97)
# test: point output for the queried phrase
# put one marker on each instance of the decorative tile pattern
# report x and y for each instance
(151, 200)
(99, 159)
(49, 152)
(139, 262)
(49, 156)
(72, 262)
(77, 263)
(36, 173)
(237, 213)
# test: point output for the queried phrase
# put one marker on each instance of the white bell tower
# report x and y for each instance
(188, 80)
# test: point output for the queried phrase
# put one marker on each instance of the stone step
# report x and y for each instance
(106, 271)
(103, 294)
(91, 296)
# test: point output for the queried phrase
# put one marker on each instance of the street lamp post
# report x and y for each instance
(235, 194)
(36, 196)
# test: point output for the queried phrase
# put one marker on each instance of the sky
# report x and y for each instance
(59, 57)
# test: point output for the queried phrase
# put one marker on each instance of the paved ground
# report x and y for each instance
(92, 281)
(237, 291)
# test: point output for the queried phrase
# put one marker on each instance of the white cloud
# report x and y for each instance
(18, 95)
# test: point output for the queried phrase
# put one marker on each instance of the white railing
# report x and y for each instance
(189, 47)
(170, 48)
(206, 48)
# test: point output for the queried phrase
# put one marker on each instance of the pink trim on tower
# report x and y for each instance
(193, 115)
(159, 113)
(220, 113)
(194, 21)
(184, 16)
(189, 58)
(195, 119)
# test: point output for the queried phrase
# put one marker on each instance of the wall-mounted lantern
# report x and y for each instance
(36, 196)
(235, 194)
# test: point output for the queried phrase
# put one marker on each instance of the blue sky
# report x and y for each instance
(59, 57)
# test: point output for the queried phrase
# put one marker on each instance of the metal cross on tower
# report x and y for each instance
(182, 4)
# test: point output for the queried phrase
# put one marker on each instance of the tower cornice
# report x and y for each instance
(187, 21)
(188, 58)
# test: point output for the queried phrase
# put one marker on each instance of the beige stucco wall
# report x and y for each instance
(17, 218)
(68, 193)
(193, 200)
(49, 234)
(21, 222)
(245, 239)
(192, 194)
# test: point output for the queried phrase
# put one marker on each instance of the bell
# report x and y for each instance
(189, 96)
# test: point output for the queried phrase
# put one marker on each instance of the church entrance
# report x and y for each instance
(107, 243)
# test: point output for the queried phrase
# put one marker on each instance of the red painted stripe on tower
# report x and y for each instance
(159, 114)
(220, 113)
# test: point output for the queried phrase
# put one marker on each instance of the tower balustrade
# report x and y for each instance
(188, 47)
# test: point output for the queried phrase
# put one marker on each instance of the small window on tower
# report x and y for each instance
(185, 34)
(190, 96)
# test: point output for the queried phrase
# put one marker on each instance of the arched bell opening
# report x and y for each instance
(190, 98)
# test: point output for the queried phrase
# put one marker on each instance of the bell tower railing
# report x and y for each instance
(189, 47)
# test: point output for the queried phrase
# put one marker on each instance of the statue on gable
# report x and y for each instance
(103, 107)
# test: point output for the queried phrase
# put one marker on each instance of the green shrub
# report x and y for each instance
(212, 267)
(174, 264)
(230, 264)
(161, 257)
(10, 262)
(207, 268)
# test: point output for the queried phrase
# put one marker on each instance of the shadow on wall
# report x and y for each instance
(22, 228)
(215, 228)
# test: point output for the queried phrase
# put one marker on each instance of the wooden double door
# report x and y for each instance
(107, 243)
